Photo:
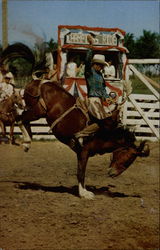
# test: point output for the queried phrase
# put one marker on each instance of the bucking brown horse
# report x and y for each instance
(8, 113)
(65, 119)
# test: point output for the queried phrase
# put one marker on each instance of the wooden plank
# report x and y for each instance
(124, 113)
(141, 77)
(143, 130)
(144, 97)
(41, 121)
(39, 129)
(46, 137)
(141, 122)
(154, 83)
(143, 61)
(137, 114)
(155, 131)
(145, 105)
(149, 138)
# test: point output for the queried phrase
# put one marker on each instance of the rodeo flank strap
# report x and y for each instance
(76, 105)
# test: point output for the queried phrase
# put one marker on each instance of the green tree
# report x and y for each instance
(52, 45)
(129, 43)
(39, 52)
(148, 45)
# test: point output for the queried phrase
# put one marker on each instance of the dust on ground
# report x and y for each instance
(40, 208)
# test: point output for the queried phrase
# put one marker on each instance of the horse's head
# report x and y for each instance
(17, 98)
(123, 157)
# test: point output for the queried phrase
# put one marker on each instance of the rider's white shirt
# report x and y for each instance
(109, 71)
(6, 90)
(71, 69)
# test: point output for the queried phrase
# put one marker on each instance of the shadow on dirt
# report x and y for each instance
(72, 190)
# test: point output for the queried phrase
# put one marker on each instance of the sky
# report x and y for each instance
(31, 21)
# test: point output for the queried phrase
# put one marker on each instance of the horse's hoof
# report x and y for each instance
(85, 194)
(26, 147)
(88, 195)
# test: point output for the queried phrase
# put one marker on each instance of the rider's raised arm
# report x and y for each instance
(89, 55)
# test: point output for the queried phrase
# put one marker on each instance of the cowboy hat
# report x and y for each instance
(9, 75)
(98, 58)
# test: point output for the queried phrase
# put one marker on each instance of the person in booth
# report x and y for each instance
(80, 70)
(109, 71)
(71, 68)
(96, 90)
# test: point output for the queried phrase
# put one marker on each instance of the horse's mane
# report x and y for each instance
(124, 132)
(118, 134)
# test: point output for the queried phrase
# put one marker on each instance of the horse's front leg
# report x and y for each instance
(82, 163)
(26, 131)
(24, 125)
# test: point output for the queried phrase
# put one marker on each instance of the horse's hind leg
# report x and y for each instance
(3, 129)
(11, 134)
(4, 138)
(26, 137)
(82, 162)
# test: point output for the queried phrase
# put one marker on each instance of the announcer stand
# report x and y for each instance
(72, 42)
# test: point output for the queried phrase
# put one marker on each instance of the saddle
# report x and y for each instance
(101, 109)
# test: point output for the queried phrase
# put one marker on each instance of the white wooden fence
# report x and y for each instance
(144, 120)
(131, 117)
(145, 106)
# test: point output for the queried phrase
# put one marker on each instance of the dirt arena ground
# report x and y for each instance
(40, 208)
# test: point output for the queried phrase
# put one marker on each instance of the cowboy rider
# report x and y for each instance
(6, 86)
(96, 90)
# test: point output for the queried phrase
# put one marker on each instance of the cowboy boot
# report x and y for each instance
(87, 131)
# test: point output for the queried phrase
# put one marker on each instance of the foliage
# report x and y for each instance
(129, 43)
(146, 46)
(52, 45)
(20, 67)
